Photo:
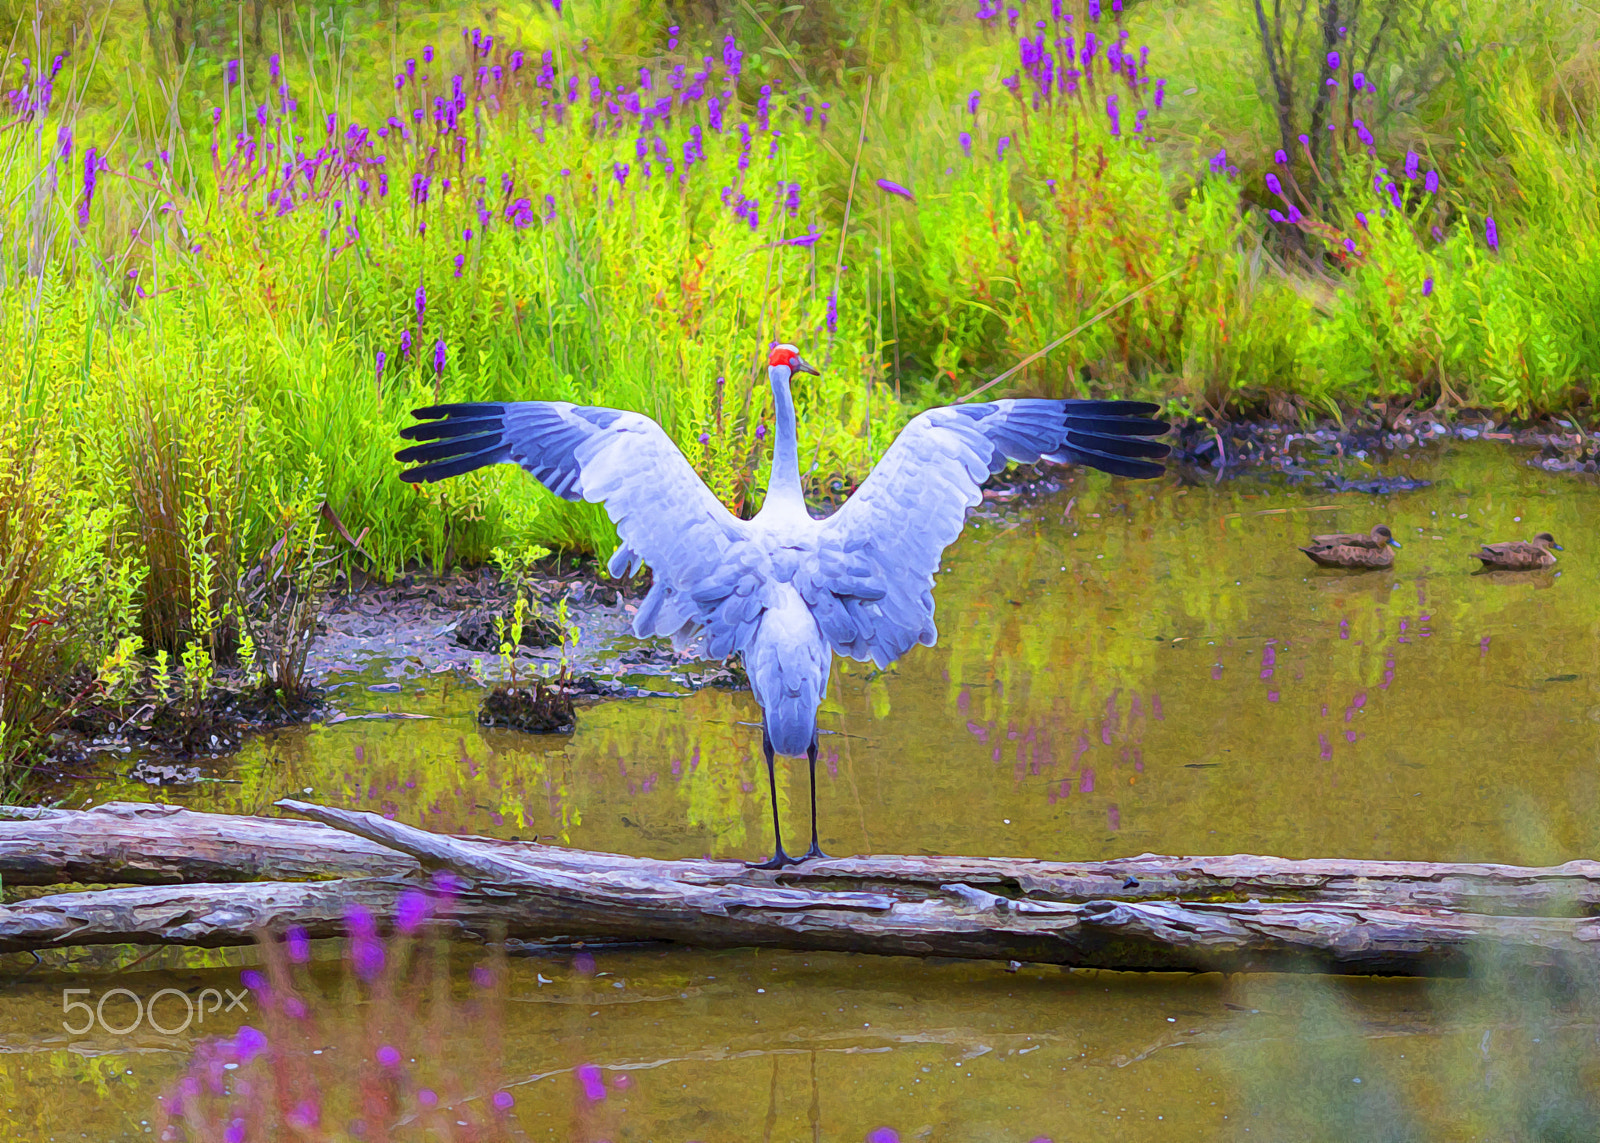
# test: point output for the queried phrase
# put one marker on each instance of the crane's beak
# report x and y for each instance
(797, 364)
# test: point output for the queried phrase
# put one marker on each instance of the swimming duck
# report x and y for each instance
(1354, 549)
(1379, 537)
(1520, 555)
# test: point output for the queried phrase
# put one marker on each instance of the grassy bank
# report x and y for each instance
(237, 250)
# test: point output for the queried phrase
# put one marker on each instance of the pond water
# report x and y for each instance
(1121, 669)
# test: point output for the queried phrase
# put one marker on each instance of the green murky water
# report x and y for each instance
(1121, 669)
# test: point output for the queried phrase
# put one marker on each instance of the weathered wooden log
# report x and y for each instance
(143, 844)
(535, 893)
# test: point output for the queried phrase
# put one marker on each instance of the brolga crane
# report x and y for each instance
(785, 591)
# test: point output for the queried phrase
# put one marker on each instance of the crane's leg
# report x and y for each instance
(779, 859)
(815, 850)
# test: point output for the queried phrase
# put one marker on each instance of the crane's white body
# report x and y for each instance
(784, 590)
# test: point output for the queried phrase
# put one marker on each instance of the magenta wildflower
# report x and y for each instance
(1427, 286)
(1431, 182)
(412, 909)
(377, 376)
(1273, 184)
(1359, 81)
(405, 343)
(1411, 164)
(1161, 93)
(1333, 61)
(883, 1134)
(422, 305)
(438, 356)
(1280, 156)
(833, 313)
(965, 139)
(592, 1082)
(895, 188)
(502, 1101)
(1276, 215)
(1000, 148)
(230, 73)
(366, 951)
(249, 1043)
(972, 103)
(297, 940)
(388, 1056)
(1491, 233)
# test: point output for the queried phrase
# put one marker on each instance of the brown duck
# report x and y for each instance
(1379, 537)
(1520, 555)
(1354, 549)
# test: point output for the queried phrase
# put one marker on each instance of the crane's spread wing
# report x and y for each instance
(707, 572)
(871, 583)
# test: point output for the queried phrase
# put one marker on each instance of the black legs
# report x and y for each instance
(780, 859)
(815, 850)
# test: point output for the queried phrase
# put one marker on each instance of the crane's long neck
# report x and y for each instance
(784, 487)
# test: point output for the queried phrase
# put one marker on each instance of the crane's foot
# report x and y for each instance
(813, 854)
(779, 860)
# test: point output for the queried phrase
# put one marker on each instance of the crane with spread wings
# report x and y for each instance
(783, 590)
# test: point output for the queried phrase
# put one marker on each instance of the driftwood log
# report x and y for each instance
(213, 879)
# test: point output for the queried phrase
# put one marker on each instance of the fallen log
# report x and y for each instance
(135, 843)
(886, 906)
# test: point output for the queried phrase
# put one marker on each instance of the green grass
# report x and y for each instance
(190, 362)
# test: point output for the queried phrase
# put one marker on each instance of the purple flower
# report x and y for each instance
(388, 1056)
(366, 951)
(405, 343)
(1491, 233)
(1431, 182)
(1333, 61)
(803, 240)
(422, 305)
(249, 1043)
(883, 1135)
(1280, 156)
(1427, 286)
(427, 54)
(230, 73)
(592, 1082)
(1359, 81)
(761, 432)
(1000, 148)
(1113, 114)
(297, 940)
(502, 1101)
(972, 103)
(896, 189)
(412, 909)
(274, 66)
(461, 260)
(1219, 162)
(64, 143)
(1273, 184)
(1350, 245)
(377, 376)
(1411, 164)
(1276, 215)
(1361, 219)
(833, 313)
(438, 356)
(965, 139)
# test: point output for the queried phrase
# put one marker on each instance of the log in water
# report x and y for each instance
(213, 879)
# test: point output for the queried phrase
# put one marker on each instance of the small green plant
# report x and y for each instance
(119, 671)
(163, 677)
